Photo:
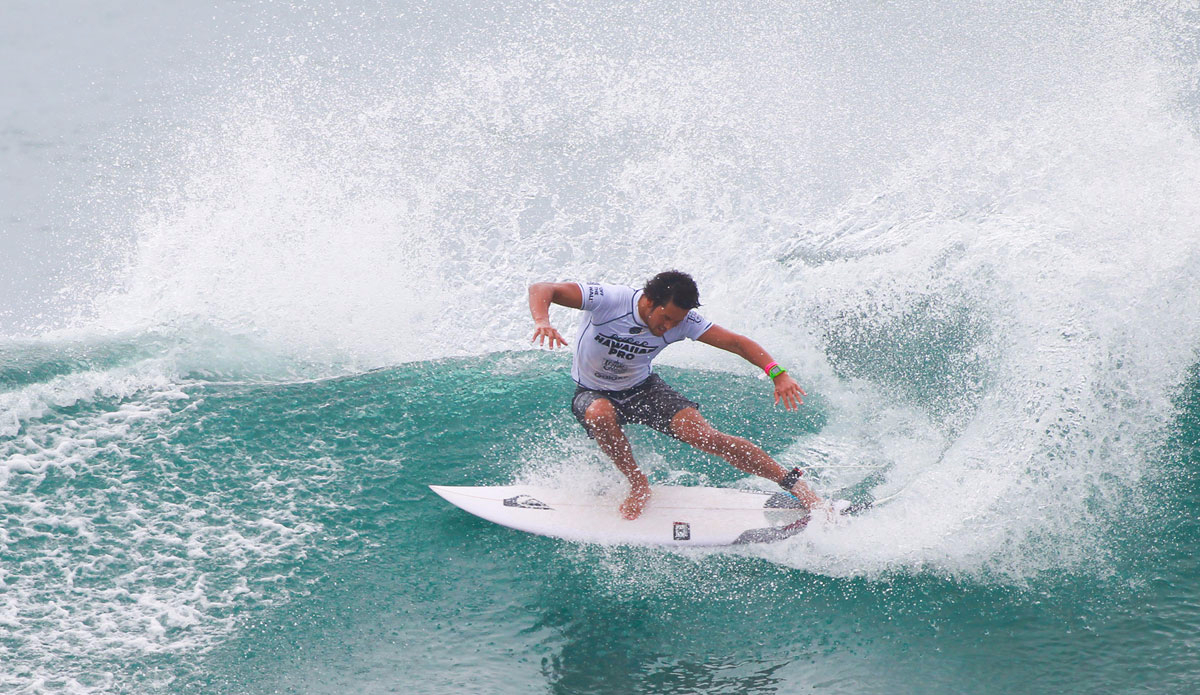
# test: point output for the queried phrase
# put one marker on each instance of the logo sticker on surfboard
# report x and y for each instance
(683, 531)
(525, 502)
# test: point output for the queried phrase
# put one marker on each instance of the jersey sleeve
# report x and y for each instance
(695, 325)
(596, 295)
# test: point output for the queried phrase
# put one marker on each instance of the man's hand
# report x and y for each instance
(545, 332)
(541, 296)
(788, 391)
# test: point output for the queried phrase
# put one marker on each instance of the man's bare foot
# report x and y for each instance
(633, 505)
(805, 494)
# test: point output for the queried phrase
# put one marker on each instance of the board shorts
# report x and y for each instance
(651, 403)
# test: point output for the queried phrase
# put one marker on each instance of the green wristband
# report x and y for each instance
(776, 371)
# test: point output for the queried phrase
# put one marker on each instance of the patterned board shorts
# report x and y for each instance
(651, 403)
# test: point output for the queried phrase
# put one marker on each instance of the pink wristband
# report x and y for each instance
(767, 369)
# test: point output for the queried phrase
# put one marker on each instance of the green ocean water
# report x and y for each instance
(278, 536)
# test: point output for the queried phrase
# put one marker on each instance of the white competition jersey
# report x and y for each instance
(614, 348)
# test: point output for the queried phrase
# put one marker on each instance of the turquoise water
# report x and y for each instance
(236, 536)
(263, 282)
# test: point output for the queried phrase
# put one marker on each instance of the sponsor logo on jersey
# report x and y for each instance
(625, 348)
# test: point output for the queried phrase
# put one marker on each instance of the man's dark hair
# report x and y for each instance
(673, 286)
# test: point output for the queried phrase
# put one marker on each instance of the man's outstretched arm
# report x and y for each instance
(541, 295)
(786, 388)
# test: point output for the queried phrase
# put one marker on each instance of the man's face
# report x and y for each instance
(661, 319)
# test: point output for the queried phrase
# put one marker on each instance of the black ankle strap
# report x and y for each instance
(789, 481)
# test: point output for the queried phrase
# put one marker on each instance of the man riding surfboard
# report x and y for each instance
(623, 330)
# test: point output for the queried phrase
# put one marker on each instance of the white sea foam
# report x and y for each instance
(1079, 270)
(132, 563)
(129, 569)
(32, 439)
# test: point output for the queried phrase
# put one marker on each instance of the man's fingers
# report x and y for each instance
(548, 337)
(791, 398)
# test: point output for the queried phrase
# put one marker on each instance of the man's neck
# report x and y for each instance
(643, 310)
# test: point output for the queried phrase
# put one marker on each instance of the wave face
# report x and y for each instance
(970, 233)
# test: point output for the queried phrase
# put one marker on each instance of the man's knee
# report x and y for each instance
(600, 413)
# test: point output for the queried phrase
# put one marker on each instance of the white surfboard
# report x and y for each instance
(676, 516)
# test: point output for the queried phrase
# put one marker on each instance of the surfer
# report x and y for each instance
(623, 330)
